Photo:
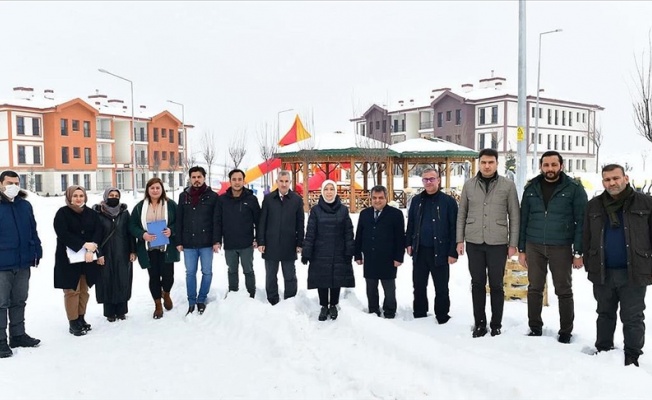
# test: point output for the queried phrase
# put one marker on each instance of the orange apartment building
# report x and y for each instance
(53, 143)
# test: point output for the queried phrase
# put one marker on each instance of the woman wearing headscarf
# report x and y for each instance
(118, 254)
(78, 229)
(159, 260)
(329, 248)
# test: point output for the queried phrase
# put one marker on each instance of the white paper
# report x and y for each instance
(78, 256)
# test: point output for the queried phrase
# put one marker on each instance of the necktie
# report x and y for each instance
(281, 197)
(376, 214)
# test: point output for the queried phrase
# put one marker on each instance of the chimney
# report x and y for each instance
(491, 82)
(98, 99)
(142, 106)
(48, 94)
(467, 87)
(24, 93)
(400, 103)
(411, 102)
(115, 103)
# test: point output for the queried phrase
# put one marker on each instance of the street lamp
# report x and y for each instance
(536, 108)
(278, 116)
(183, 123)
(132, 131)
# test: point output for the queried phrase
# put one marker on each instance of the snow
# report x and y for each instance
(333, 141)
(246, 349)
(427, 145)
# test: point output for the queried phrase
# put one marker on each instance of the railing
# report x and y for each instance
(104, 160)
(140, 138)
(425, 124)
(140, 162)
(101, 134)
(102, 185)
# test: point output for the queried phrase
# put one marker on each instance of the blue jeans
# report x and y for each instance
(191, 257)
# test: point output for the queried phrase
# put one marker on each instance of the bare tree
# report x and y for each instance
(208, 152)
(596, 137)
(375, 152)
(173, 166)
(267, 147)
(644, 155)
(238, 148)
(642, 102)
(188, 163)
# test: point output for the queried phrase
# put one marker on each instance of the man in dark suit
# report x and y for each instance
(380, 245)
(280, 236)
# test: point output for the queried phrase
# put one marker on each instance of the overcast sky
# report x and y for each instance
(235, 65)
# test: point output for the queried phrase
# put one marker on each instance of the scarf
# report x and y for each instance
(195, 194)
(69, 192)
(110, 211)
(614, 205)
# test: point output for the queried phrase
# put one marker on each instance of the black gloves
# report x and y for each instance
(304, 260)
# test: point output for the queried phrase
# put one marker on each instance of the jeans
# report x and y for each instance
(192, 257)
(246, 257)
(14, 285)
(271, 282)
(485, 259)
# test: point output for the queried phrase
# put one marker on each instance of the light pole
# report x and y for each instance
(183, 123)
(536, 107)
(278, 130)
(132, 132)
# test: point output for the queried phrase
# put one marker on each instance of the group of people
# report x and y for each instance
(554, 227)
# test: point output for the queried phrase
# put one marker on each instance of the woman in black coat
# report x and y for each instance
(77, 228)
(329, 247)
(119, 252)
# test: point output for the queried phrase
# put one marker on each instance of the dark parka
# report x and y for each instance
(380, 243)
(20, 246)
(197, 225)
(116, 277)
(136, 228)
(329, 246)
(73, 229)
(237, 219)
(561, 223)
(637, 219)
(444, 224)
(281, 226)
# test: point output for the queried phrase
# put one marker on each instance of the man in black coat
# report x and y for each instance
(617, 239)
(280, 236)
(238, 217)
(430, 240)
(380, 245)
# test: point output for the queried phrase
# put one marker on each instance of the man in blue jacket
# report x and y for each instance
(20, 249)
(552, 217)
(430, 240)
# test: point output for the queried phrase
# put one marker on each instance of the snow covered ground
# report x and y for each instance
(242, 348)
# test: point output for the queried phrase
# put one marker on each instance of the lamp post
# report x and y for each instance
(536, 107)
(278, 127)
(132, 132)
(183, 123)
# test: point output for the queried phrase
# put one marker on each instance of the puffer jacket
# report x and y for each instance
(238, 217)
(20, 246)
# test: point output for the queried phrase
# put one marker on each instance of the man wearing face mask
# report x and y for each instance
(21, 250)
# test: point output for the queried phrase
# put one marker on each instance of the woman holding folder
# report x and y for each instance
(152, 224)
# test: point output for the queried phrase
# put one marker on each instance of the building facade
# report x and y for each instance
(53, 143)
(486, 116)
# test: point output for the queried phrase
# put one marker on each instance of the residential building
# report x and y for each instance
(53, 143)
(486, 116)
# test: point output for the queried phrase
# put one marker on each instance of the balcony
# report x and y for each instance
(105, 160)
(103, 185)
(141, 161)
(140, 137)
(425, 125)
(103, 134)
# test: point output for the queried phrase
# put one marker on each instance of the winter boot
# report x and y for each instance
(5, 351)
(323, 314)
(333, 312)
(167, 301)
(201, 307)
(191, 309)
(23, 341)
(76, 328)
(479, 331)
(85, 325)
(631, 359)
(158, 309)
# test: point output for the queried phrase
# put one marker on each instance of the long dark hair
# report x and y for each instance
(151, 182)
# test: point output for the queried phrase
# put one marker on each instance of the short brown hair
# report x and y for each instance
(151, 182)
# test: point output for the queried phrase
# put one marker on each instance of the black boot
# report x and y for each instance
(631, 359)
(5, 351)
(201, 307)
(323, 314)
(76, 328)
(191, 309)
(85, 325)
(479, 331)
(333, 312)
(23, 341)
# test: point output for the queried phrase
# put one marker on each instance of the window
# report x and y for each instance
(540, 138)
(440, 119)
(87, 129)
(156, 134)
(540, 113)
(22, 181)
(494, 114)
(577, 140)
(583, 165)
(549, 142)
(578, 163)
(449, 115)
(143, 137)
(64, 182)
(570, 118)
(533, 112)
(20, 125)
(556, 142)
(64, 127)
(164, 155)
(563, 142)
(549, 117)
(163, 178)
(448, 138)
(180, 180)
(458, 117)
(570, 142)
(458, 139)
(384, 126)
(563, 118)
(87, 155)
(395, 126)
(75, 125)
(37, 154)
(164, 133)
(570, 165)
(583, 118)
(482, 119)
(21, 155)
(75, 179)
(377, 125)
(403, 125)
(171, 136)
(38, 183)
(578, 116)
(583, 142)
(36, 127)
(556, 117)
(87, 181)
(181, 135)
(172, 159)
(64, 157)
(156, 158)
(76, 152)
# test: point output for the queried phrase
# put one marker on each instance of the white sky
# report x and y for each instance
(235, 65)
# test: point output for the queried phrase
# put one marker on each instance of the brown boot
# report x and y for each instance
(167, 301)
(158, 310)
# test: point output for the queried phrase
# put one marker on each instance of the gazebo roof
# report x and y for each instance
(435, 147)
(333, 144)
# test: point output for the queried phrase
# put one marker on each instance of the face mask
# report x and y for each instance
(11, 191)
(112, 202)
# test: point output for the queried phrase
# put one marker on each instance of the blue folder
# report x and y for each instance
(157, 228)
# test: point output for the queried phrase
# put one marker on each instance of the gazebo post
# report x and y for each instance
(352, 207)
(473, 171)
(448, 174)
(294, 176)
(405, 173)
(390, 178)
(365, 170)
(306, 205)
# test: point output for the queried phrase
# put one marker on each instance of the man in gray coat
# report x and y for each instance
(488, 219)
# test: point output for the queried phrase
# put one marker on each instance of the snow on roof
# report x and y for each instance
(333, 141)
(40, 103)
(420, 145)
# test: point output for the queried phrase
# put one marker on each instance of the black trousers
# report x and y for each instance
(389, 287)
(161, 274)
(424, 266)
(324, 300)
(271, 281)
(115, 309)
(617, 289)
(487, 260)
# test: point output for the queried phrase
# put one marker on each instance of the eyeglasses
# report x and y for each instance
(429, 180)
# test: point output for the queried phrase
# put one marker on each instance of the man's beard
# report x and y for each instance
(552, 176)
